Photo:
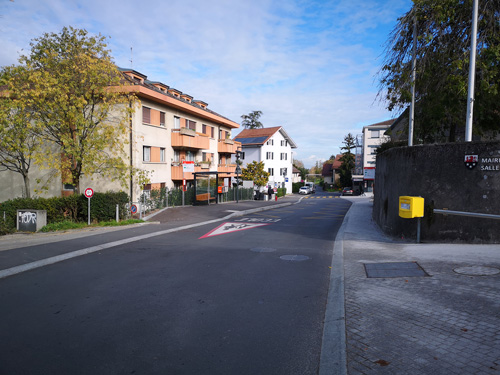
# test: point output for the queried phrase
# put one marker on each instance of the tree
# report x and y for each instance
(18, 141)
(72, 88)
(347, 160)
(255, 172)
(443, 50)
(251, 121)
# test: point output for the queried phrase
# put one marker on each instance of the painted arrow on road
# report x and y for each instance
(231, 227)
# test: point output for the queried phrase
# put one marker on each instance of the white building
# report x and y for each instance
(274, 147)
(373, 137)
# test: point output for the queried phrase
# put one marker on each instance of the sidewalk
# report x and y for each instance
(445, 323)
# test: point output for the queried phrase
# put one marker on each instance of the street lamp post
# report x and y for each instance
(238, 171)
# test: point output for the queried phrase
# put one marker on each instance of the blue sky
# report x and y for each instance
(309, 66)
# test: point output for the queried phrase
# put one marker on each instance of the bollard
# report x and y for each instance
(276, 195)
(117, 213)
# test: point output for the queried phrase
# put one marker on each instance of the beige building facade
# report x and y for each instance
(170, 132)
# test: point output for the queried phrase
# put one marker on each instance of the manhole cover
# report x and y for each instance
(394, 269)
(263, 249)
(477, 271)
(294, 258)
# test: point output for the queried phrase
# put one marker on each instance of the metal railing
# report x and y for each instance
(462, 213)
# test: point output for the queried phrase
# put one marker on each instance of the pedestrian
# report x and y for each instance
(270, 192)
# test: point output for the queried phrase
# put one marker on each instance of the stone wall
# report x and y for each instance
(440, 174)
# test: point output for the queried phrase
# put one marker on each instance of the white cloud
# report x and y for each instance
(308, 66)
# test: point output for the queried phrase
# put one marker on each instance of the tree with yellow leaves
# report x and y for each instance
(72, 89)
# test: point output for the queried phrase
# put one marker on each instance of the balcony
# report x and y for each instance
(187, 138)
(178, 175)
(228, 146)
(228, 169)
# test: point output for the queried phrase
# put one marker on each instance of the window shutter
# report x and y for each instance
(146, 115)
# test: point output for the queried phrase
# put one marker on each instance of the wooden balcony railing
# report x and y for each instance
(177, 173)
(228, 146)
(226, 168)
(191, 139)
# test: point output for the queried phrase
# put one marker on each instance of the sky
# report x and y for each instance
(310, 66)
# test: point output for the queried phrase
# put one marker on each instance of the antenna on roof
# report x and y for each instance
(131, 60)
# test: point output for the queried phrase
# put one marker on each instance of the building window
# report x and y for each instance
(242, 155)
(284, 143)
(375, 134)
(270, 142)
(284, 156)
(146, 115)
(162, 155)
(162, 118)
(282, 171)
(204, 129)
(191, 125)
(146, 153)
(177, 122)
(177, 156)
(271, 171)
(189, 156)
(212, 131)
(269, 155)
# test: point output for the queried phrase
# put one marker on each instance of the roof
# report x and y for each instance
(257, 137)
(329, 166)
(382, 125)
(184, 100)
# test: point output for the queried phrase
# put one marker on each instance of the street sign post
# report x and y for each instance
(89, 193)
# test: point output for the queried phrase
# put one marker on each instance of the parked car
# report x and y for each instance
(347, 191)
(311, 186)
(305, 190)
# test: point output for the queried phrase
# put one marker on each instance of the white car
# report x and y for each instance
(305, 190)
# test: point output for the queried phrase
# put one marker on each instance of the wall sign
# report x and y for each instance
(486, 163)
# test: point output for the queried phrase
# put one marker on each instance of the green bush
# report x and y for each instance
(60, 209)
(281, 192)
(296, 186)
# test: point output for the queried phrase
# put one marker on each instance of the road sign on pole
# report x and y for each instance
(89, 193)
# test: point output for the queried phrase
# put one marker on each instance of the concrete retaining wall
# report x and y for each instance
(440, 175)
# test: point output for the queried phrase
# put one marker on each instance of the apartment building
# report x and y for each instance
(274, 147)
(169, 131)
(373, 137)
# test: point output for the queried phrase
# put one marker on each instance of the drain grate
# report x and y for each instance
(394, 269)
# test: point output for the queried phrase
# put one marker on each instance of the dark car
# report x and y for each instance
(347, 191)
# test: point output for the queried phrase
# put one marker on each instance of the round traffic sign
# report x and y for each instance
(89, 192)
(133, 209)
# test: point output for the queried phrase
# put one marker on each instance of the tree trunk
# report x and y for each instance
(27, 191)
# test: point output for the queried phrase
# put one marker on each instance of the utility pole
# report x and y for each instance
(413, 80)
(472, 74)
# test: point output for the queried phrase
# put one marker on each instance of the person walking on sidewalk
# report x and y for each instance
(270, 192)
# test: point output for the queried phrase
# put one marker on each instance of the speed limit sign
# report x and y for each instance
(89, 193)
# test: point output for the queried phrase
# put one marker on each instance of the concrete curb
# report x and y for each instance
(333, 358)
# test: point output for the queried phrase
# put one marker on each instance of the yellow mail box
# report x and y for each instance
(410, 207)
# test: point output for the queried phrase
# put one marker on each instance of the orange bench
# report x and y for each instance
(204, 197)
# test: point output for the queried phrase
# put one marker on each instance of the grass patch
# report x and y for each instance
(68, 225)
(120, 223)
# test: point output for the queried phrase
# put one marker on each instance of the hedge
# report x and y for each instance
(72, 208)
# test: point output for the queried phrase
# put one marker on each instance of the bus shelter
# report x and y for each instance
(205, 187)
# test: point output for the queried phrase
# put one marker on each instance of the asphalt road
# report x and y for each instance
(244, 297)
